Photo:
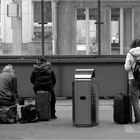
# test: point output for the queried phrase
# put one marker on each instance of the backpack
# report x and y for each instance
(136, 71)
(29, 114)
(8, 114)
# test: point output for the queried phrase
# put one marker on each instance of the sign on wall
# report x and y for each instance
(13, 10)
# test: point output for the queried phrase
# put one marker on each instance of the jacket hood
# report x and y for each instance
(41, 66)
(135, 51)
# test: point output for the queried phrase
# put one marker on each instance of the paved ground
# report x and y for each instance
(63, 129)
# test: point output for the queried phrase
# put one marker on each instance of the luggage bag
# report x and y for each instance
(8, 114)
(42, 102)
(122, 109)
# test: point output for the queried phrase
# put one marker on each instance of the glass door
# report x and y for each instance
(86, 31)
(81, 31)
(93, 41)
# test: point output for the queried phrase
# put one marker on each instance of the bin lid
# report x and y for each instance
(84, 73)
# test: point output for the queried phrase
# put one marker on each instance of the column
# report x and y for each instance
(17, 30)
(54, 26)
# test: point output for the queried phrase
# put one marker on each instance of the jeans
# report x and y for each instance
(134, 90)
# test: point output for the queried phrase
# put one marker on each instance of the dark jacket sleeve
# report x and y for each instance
(32, 78)
(14, 85)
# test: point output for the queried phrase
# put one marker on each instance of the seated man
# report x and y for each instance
(8, 86)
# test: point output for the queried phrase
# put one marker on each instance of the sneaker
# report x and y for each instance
(54, 117)
(136, 122)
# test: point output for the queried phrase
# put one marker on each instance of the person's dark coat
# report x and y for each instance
(43, 78)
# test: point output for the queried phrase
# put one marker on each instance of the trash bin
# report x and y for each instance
(85, 98)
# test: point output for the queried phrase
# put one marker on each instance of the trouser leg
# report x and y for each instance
(52, 103)
(135, 99)
(135, 102)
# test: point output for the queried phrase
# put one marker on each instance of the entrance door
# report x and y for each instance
(86, 31)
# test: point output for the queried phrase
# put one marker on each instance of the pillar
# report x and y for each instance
(17, 30)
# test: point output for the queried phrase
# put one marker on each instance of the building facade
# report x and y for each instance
(77, 34)
(71, 27)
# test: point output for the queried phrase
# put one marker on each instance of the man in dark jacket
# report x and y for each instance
(8, 86)
(43, 78)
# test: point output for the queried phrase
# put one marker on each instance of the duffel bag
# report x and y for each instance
(8, 114)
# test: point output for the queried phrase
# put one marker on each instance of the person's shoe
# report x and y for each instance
(136, 122)
(54, 117)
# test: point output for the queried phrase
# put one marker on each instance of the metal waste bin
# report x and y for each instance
(85, 98)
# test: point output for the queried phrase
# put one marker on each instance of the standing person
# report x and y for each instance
(8, 86)
(43, 78)
(134, 86)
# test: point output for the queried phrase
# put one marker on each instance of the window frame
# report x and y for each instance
(87, 30)
(105, 4)
(0, 23)
(35, 24)
(53, 26)
(54, 30)
(121, 28)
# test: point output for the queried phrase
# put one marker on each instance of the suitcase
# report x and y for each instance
(122, 109)
(42, 102)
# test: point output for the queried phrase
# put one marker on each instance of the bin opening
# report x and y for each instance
(84, 73)
(83, 98)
